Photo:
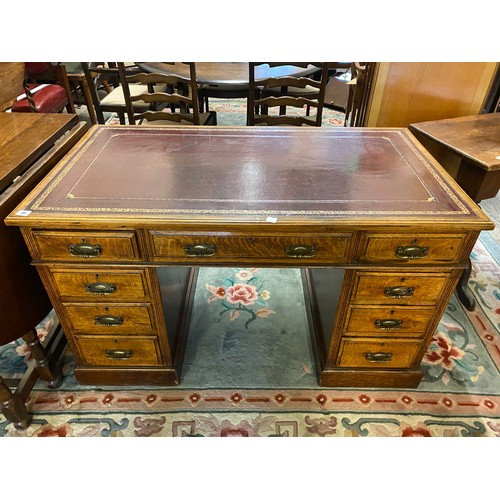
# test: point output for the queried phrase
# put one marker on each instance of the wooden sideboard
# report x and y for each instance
(378, 228)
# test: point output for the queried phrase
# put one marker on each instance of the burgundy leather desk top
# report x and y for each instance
(223, 174)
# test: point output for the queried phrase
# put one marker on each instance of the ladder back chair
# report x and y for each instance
(171, 100)
(355, 96)
(301, 93)
(106, 89)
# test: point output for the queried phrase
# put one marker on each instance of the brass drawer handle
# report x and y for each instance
(378, 357)
(118, 354)
(100, 288)
(200, 250)
(412, 252)
(397, 292)
(85, 250)
(108, 320)
(389, 324)
(300, 251)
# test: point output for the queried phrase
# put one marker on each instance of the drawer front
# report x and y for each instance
(388, 321)
(210, 247)
(356, 353)
(109, 351)
(413, 249)
(399, 288)
(110, 320)
(92, 285)
(86, 247)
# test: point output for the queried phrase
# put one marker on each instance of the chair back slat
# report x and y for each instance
(301, 93)
(177, 101)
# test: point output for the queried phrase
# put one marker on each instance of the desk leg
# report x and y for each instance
(46, 370)
(13, 407)
(464, 294)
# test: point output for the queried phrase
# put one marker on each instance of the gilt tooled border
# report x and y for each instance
(192, 211)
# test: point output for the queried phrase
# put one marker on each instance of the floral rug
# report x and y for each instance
(235, 381)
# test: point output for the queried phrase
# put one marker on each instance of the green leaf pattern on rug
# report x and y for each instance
(242, 296)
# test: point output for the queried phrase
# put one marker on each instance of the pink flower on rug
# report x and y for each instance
(442, 352)
(244, 275)
(145, 427)
(48, 430)
(218, 292)
(242, 293)
(321, 426)
(418, 430)
(227, 429)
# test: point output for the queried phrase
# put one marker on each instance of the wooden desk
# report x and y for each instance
(471, 141)
(30, 145)
(380, 232)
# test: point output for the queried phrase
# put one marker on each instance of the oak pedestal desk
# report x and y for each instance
(380, 232)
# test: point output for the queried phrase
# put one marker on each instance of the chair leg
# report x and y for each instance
(13, 407)
(46, 370)
(88, 101)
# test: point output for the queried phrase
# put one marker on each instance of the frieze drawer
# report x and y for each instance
(205, 247)
(86, 247)
(93, 285)
(119, 352)
(399, 288)
(412, 249)
(373, 354)
(110, 320)
(388, 321)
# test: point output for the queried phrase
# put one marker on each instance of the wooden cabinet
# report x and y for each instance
(118, 251)
(410, 92)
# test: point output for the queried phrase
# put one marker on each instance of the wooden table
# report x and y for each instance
(471, 141)
(30, 145)
(223, 80)
(380, 232)
(224, 73)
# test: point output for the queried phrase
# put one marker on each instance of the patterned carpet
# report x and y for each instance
(459, 396)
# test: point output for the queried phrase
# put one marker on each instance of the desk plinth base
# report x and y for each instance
(127, 376)
(332, 377)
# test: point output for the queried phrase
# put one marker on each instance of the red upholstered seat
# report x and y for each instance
(51, 98)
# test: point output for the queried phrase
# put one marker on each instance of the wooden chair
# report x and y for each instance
(300, 93)
(355, 95)
(106, 89)
(80, 89)
(46, 90)
(171, 100)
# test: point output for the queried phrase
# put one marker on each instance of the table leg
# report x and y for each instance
(464, 294)
(13, 407)
(46, 370)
